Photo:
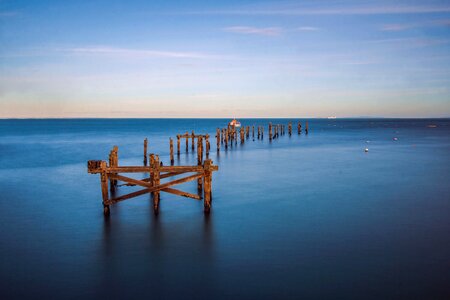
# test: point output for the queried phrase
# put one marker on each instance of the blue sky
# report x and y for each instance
(224, 59)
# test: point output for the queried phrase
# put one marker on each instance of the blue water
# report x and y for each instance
(309, 217)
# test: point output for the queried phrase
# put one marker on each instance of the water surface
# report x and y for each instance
(302, 217)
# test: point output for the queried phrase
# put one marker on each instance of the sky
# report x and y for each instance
(208, 59)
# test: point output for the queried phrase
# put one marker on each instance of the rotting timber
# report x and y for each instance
(113, 173)
(110, 173)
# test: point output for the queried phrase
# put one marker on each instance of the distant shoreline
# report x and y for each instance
(226, 118)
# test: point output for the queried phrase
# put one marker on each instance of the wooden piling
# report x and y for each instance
(218, 139)
(145, 151)
(187, 141)
(306, 127)
(270, 131)
(104, 185)
(207, 178)
(242, 135)
(171, 152)
(199, 163)
(227, 137)
(247, 132)
(299, 128)
(178, 145)
(193, 140)
(207, 145)
(155, 182)
(262, 132)
(290, 128)
(253, 131)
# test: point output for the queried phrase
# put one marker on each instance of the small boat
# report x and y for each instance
(235, 123)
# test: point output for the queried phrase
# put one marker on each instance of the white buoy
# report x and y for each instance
(395, 139)
(366, 150)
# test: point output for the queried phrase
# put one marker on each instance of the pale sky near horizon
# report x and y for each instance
(224, 58)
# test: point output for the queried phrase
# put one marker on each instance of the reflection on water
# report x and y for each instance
(300, 217)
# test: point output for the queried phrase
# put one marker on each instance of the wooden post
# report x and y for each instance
(113, 162)
(299, 128)
(259, 132)
(187, 141)
(262, 132)
(270, 131)
(207, 145)
(199, 162)
(199, 150)
(290, 128)
(104, 184)
(156, 181)
(223, 135)
(218, 139)
(253, 131)
(193, 140)
(226, 138)
(152, 160)
(178, 145)
(171, 152)
(145, 151)
(247, 132)
(207, 185)
(306, 127)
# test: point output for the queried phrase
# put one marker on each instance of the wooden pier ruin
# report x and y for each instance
(111, 173)
(154, 172)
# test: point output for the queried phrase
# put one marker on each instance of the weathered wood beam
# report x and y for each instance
(181, 193)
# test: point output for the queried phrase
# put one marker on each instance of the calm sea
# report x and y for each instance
(303, 217)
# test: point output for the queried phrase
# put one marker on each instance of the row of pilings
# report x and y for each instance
(226, 137)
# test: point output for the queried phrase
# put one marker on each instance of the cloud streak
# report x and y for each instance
(307, 28)
(136, 53)
(407, 26)
(350, 10)
(267, 31)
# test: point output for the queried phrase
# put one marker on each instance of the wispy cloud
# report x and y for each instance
(268, 31)
(5, 14)
(397, 27)
(307, 28)
(136, 53)
(349, 10)
(407, 26)
(412, 42)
